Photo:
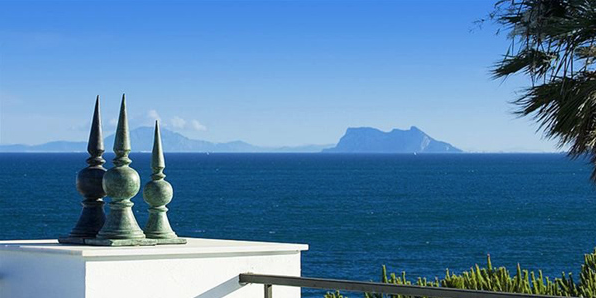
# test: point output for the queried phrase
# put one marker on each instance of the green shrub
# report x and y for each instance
(500, 280)
(335, 294)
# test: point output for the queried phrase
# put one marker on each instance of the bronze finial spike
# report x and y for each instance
(95, 144)
(158, 163)
(122, 140)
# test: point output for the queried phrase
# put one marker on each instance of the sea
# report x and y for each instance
(418, 213)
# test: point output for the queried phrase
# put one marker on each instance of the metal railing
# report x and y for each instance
(371, 287)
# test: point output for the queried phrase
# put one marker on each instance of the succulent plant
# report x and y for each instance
(500, 280)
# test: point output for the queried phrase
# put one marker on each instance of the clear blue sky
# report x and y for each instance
(270, 73)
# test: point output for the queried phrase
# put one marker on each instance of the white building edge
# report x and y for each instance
(202, 268)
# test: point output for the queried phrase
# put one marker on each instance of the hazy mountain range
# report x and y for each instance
(355, 140)
(141, 140)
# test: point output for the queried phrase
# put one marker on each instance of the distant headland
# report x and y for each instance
(355, 140)
(372, 140)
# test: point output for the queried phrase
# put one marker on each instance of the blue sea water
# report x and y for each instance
(418, 213)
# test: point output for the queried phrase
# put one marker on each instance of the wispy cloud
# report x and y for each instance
(178, 122)
(153, 115)
(196, 125)
(182, 124)
(148, 119)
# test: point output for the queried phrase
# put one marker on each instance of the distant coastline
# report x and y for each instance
(356, 140)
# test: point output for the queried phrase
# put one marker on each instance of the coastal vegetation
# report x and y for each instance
(553, 44)
(499, 279)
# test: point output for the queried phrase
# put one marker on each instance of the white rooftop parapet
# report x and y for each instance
(203, 268)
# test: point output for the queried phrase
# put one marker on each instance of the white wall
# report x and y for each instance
(200, 277)
(33, 274)
(204, 268)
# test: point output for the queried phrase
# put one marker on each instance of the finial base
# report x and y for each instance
(158, 227)
(121, 223)
(91, 220)
(170, 241)
(72, 240)
(167, 238)
(120, 242)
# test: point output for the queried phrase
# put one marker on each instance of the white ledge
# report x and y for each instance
(202, 268)
(195, 246)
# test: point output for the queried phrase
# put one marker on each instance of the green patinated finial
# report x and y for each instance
(158, 163)
(121, 183)
(95, 144)
(158, 193)
(122, 137)
(89, 185)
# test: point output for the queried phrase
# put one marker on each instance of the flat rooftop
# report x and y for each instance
(193, 247)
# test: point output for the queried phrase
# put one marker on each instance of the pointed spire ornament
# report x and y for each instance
(89, 186)
(121, 183)
(158, 193)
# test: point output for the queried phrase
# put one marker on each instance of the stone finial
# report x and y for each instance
(89, 185)
(122, 137)
(95, 144)
(121, 183)
(158, 193)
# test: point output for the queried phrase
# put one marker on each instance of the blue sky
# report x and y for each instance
(270, 73)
